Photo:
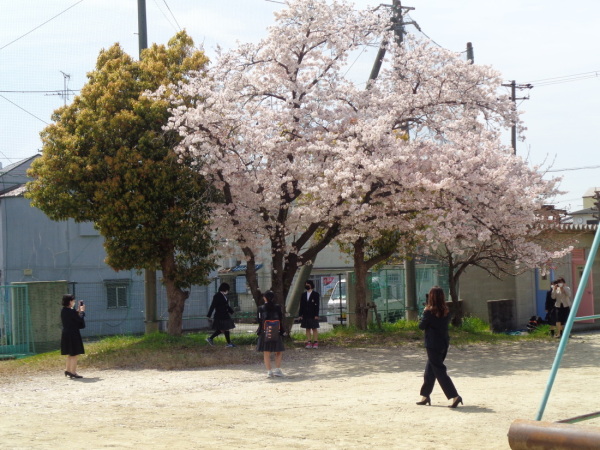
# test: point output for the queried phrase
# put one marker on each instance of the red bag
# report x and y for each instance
(271, 330)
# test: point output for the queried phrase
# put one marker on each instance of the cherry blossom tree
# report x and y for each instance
(492, 221)
(302, 154)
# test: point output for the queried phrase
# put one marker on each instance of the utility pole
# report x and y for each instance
(513, 96)
(142, 27)
(470, 55)
(398, 27)
(410, 271)
(151, 324)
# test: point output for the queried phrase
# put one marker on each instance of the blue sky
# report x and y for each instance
(551, 44)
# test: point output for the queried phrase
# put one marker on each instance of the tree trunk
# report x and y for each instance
(176, 297)
(456, 309)
(251, 276)
(360, 272)
(292, 303)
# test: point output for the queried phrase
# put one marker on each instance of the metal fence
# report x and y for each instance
(116, 307)
(15, 322)
(119, 307)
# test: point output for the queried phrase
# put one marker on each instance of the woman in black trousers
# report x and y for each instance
(435, 322)
(71, 343)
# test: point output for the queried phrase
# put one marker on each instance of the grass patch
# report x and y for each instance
(161, 351)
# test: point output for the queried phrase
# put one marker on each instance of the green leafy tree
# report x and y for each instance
(107, 159)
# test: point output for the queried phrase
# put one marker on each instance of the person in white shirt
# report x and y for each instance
(561, 293)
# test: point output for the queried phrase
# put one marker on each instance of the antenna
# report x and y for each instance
(65, 94)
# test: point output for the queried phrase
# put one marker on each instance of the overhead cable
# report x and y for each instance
(39, 26)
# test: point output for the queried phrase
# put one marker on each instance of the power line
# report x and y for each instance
(53, 92)
(574, 168)
(39, 26)
(167, 18)
(564, 76)
(165, 1)
(566, 79)
(23, 109)
(6, 157)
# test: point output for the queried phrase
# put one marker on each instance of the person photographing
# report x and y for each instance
(561, 293)
(71, 343)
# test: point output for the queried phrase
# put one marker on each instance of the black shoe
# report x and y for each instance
(67, 374)
(427, 401)
(74, 375)
(456, 401)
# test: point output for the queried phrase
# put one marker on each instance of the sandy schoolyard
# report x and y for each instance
(330, 399)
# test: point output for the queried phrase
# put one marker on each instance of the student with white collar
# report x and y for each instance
(561, 293)
(309, 314)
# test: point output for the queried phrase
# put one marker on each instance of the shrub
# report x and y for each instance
(472, 324)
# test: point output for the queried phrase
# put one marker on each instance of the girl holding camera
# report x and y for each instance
(71, 343)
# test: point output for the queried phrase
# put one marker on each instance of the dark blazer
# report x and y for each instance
(70, 341)
(436, 330)
(72, 322)
(309, 307)
(220, 305)
(549, 305)
(276, 314)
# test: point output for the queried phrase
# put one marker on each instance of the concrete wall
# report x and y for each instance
(45, 304)
(477, 287)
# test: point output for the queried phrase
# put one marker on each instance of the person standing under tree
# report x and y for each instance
(268, 343)
(435, 322)
(561, 293)
(549, 307)
(309, 314)
(222, 322)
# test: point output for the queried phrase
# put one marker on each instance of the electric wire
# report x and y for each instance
(53, 92)
(573, 168)
(172, 15)
(41, 25)
(23, 109)
(421, 31)
(595, 74)
(566, 81)
(166, 17)
(6, 157)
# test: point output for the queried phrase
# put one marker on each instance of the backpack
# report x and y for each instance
(533, 323)
(271, 330)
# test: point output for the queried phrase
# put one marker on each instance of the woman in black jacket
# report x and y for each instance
(270, 311)
(550, 310)
(435, 322)
(309, 314)
(71, 343)
(222, 322)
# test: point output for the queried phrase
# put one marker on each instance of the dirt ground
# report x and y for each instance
(329, 399)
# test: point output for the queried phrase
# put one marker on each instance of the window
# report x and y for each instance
(117, 293)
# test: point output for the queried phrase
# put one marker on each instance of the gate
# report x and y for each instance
(16, 338)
